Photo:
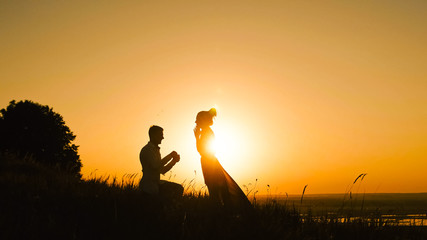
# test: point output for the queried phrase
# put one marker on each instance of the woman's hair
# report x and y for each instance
(205, 116)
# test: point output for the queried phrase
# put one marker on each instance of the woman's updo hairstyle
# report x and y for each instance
(206, 117)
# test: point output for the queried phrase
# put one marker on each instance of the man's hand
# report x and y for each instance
(175, 156)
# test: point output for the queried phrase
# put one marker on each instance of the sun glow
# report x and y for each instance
(228, 146)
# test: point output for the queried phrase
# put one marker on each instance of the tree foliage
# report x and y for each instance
(30, 128)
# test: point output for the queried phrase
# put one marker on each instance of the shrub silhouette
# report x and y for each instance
(29, 128)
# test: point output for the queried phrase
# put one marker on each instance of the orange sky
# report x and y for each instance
(307, 93)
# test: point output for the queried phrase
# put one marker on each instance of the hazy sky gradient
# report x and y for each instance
(307, 93)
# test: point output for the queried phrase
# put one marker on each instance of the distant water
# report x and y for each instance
(406, 209)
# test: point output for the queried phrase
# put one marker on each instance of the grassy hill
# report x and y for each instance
(38, 202)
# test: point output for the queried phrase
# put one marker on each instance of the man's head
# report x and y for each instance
(156, 134)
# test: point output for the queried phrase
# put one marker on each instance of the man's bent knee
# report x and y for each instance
(170, 189)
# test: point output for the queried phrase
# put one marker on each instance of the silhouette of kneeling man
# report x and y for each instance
(153, 165)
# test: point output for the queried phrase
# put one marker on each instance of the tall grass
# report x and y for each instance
(40, 203)
(303, 191)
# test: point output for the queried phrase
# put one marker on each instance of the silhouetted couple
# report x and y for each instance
(223, 190)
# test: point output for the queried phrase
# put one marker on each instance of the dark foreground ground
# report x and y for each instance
(39, 203)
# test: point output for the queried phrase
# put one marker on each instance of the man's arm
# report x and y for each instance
(149, 157)
(172, 163)
(166, 159)
(167, 167)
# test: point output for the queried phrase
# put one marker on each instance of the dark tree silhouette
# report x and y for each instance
(27, 127)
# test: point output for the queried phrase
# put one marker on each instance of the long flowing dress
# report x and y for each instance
(221, 185)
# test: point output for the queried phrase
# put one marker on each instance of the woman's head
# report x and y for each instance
(205, 118)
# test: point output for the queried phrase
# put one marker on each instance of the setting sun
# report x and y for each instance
(230, 146)
(307, 93)
(207, 105)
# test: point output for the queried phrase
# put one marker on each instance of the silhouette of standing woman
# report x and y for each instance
(222, 188)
